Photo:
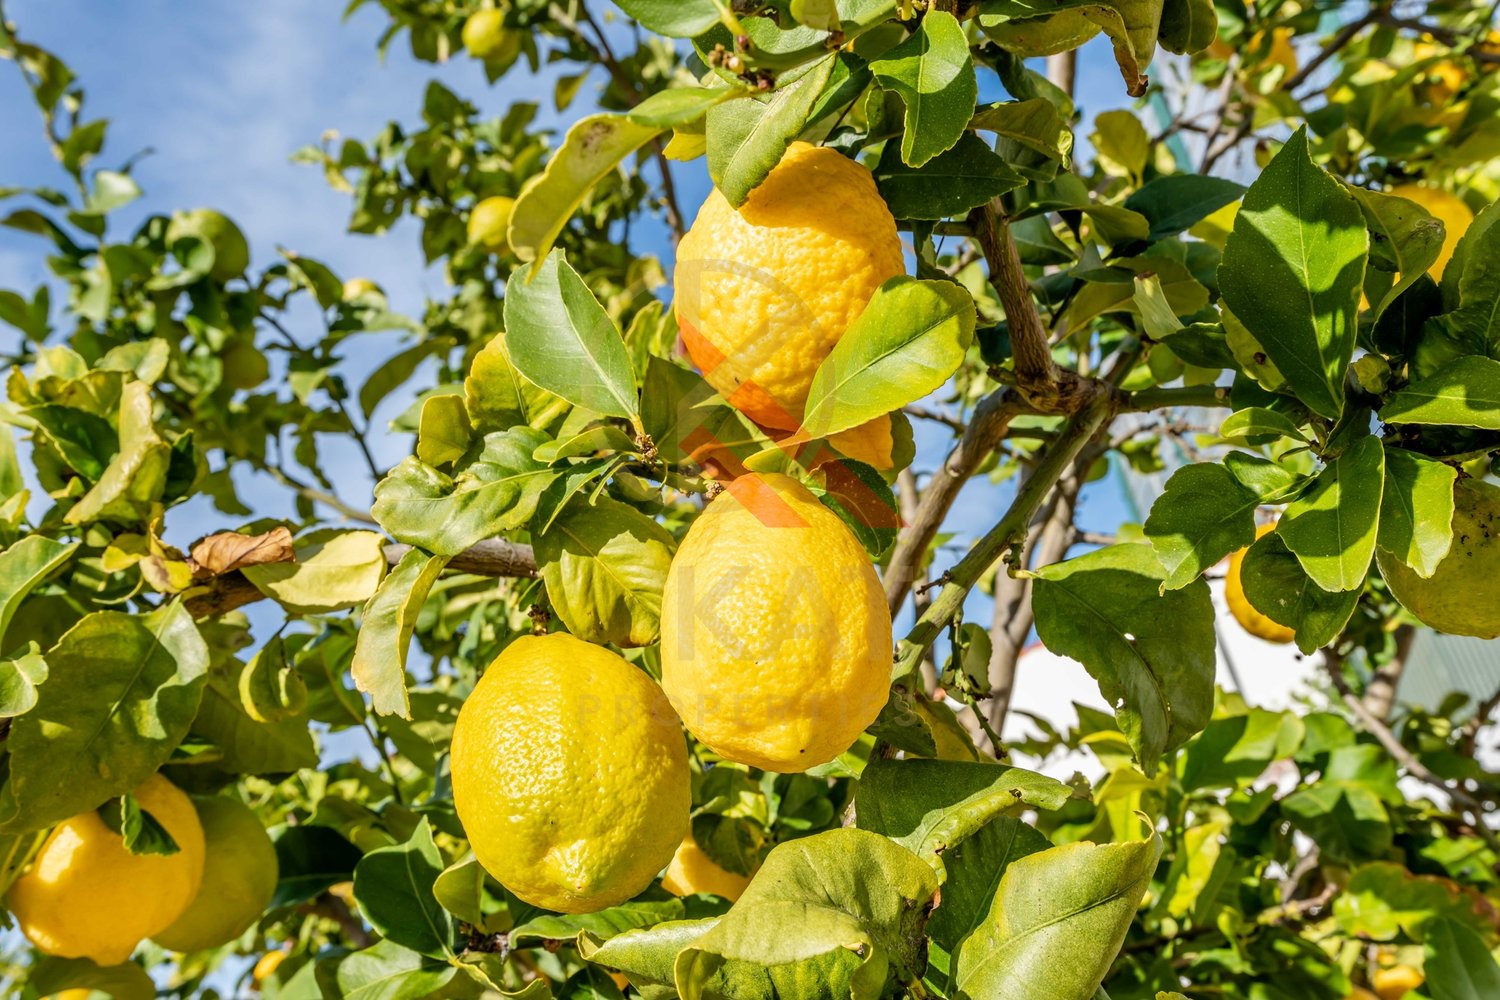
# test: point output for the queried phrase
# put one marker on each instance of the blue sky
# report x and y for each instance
(223, 93)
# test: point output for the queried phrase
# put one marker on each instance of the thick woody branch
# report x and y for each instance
(1036, 372)
(985, 431)
(491, 557)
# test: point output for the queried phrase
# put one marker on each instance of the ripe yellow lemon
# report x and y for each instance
(763, 292)
(355, 287)
(486, 37)
(1044, 36)
(267, 964)
(775, 637)
(239, 878)
(1446, 208)
(489, 224)
(86, 896)
(1244, 612)
(1394, 983)
(1462, 596)
(231, 252)
(692, 870)
(570, 774)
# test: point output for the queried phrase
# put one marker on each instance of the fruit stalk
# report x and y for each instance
(1006, 535)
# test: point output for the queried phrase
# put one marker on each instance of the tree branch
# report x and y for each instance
(491, 557)
(1380, 693)
(1006, 535)
(1387, 739)
(985, 431)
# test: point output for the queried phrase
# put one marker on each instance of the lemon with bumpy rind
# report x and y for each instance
(1449, 209)
(570, 774)
(1250, 619)
(775, 636)
(692, 870)
(239, 878)
(489, 224)
(1044, 36)
(1462, 597)
(763, 292)
(86, 896)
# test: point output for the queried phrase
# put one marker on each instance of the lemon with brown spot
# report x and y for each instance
(1462, 597)
(570, 774)
(86, 896)
(776, 639)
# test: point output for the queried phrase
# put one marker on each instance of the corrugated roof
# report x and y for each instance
(1439, 664)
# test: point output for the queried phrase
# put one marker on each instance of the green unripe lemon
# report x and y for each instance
(1462, 597)
(489, 224)
(239, 878)
(486, 37)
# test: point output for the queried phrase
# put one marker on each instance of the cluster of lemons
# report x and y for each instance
(86, 896)
(569, 767)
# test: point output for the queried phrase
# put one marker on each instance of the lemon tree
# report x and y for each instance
(774, 361)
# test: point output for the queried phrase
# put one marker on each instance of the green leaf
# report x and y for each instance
(1458, 964)
(1404, 238)
(497, 396)
(388, 971)
(909, 340)
(496, 492)
(1383, 900)
(19, 677)
(1030, 135)
(975, 868)
(604, 564)
(1202, 515)
(648, 909)
(929, 806)
(1188, 25)
(386, 628)
(1344, 812)
(674, 18)
(1176, 202)
(1152, 653)
(1059, 942)
(593, 147)
(1332, 527)
(561, 339)
(245, 745)
(134, 478)
(748, 135)
(1277, 585)
(393, 886)
(1416, 510)
(833, 914)
(934, 76)
(49, 976)
(1463, 393)
(138, 829)
(951, 183)
(120, 694)
(459, 889)
(1121, 142)
(1232, 751)
(310, 859)
(334, 570)
(25, 565)
(444, 431)
(648, 953)
(1292, 271)
(1258, 425)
